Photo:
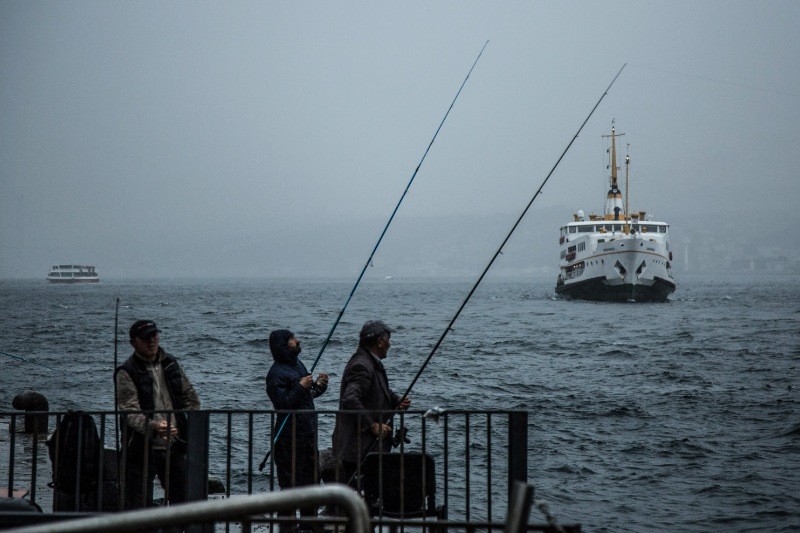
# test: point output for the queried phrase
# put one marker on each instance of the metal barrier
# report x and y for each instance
(477, 456)
(234, 508)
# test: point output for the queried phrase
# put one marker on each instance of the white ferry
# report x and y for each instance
(72, 274)
(616, 256)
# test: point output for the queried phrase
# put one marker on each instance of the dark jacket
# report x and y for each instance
(181, 393)
(285, 391)
(365, 387)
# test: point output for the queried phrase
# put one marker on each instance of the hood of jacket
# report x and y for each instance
(278, 345)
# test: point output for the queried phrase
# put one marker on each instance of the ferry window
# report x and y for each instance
(585, 229)
(617, 227)
(573, 229)
(581, 246)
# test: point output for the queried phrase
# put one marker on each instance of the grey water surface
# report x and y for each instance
(681, 416)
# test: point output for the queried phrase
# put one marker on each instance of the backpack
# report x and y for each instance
(75, 441)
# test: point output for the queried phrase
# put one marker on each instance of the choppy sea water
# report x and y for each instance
(681, 416)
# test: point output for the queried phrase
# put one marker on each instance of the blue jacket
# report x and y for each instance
(285, 391)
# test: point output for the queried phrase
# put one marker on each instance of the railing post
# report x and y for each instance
(517, 449)
(197, 455)
(519, 508)
(197, 439)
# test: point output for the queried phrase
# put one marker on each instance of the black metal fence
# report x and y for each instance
(456, 470)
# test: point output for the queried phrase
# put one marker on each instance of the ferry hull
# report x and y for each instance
(601, 289)
(73, 280)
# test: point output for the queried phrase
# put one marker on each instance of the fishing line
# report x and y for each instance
(26, 361)
(375, 248)
(717, 81)
(497, 253)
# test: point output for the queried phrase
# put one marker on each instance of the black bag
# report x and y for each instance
(75, 447)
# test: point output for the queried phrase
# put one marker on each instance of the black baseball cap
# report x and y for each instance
(143, 329)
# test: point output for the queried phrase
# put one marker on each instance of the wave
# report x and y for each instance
(794, 431)
(206, 338)
(261, 343)
(616, 353)
(684, 448)
(710, 489)
(576, 470)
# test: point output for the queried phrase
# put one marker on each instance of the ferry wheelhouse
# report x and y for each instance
(616, 256)
(72, 274)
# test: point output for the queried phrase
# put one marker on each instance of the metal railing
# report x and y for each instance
(234, 508)
(476, 456)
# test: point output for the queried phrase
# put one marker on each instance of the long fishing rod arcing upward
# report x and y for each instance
(380, 238)
(401, 431)
(511, 232)
(388, 222)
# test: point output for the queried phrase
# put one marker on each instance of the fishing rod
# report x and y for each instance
(414, 175)
(18, 358)
(401, 433)
(513, 228)
(375, 248)
(116, 404)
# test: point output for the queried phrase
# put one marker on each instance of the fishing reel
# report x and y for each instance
(400, 436)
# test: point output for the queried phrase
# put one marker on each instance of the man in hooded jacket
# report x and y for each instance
(290, 387)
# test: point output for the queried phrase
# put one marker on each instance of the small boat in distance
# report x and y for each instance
(72, 274)
(618, 256)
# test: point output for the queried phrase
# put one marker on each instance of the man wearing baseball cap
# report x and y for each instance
(365, 388)
(149, 381)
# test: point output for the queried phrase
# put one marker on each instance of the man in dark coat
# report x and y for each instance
(291, 387)
(365, 388)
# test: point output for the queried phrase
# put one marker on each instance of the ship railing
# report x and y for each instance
(470, 460)
(574, 274)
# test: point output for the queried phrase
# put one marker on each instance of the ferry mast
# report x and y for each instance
(614, 208)
(627, 182)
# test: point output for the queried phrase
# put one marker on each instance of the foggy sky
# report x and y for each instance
(274, 138)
